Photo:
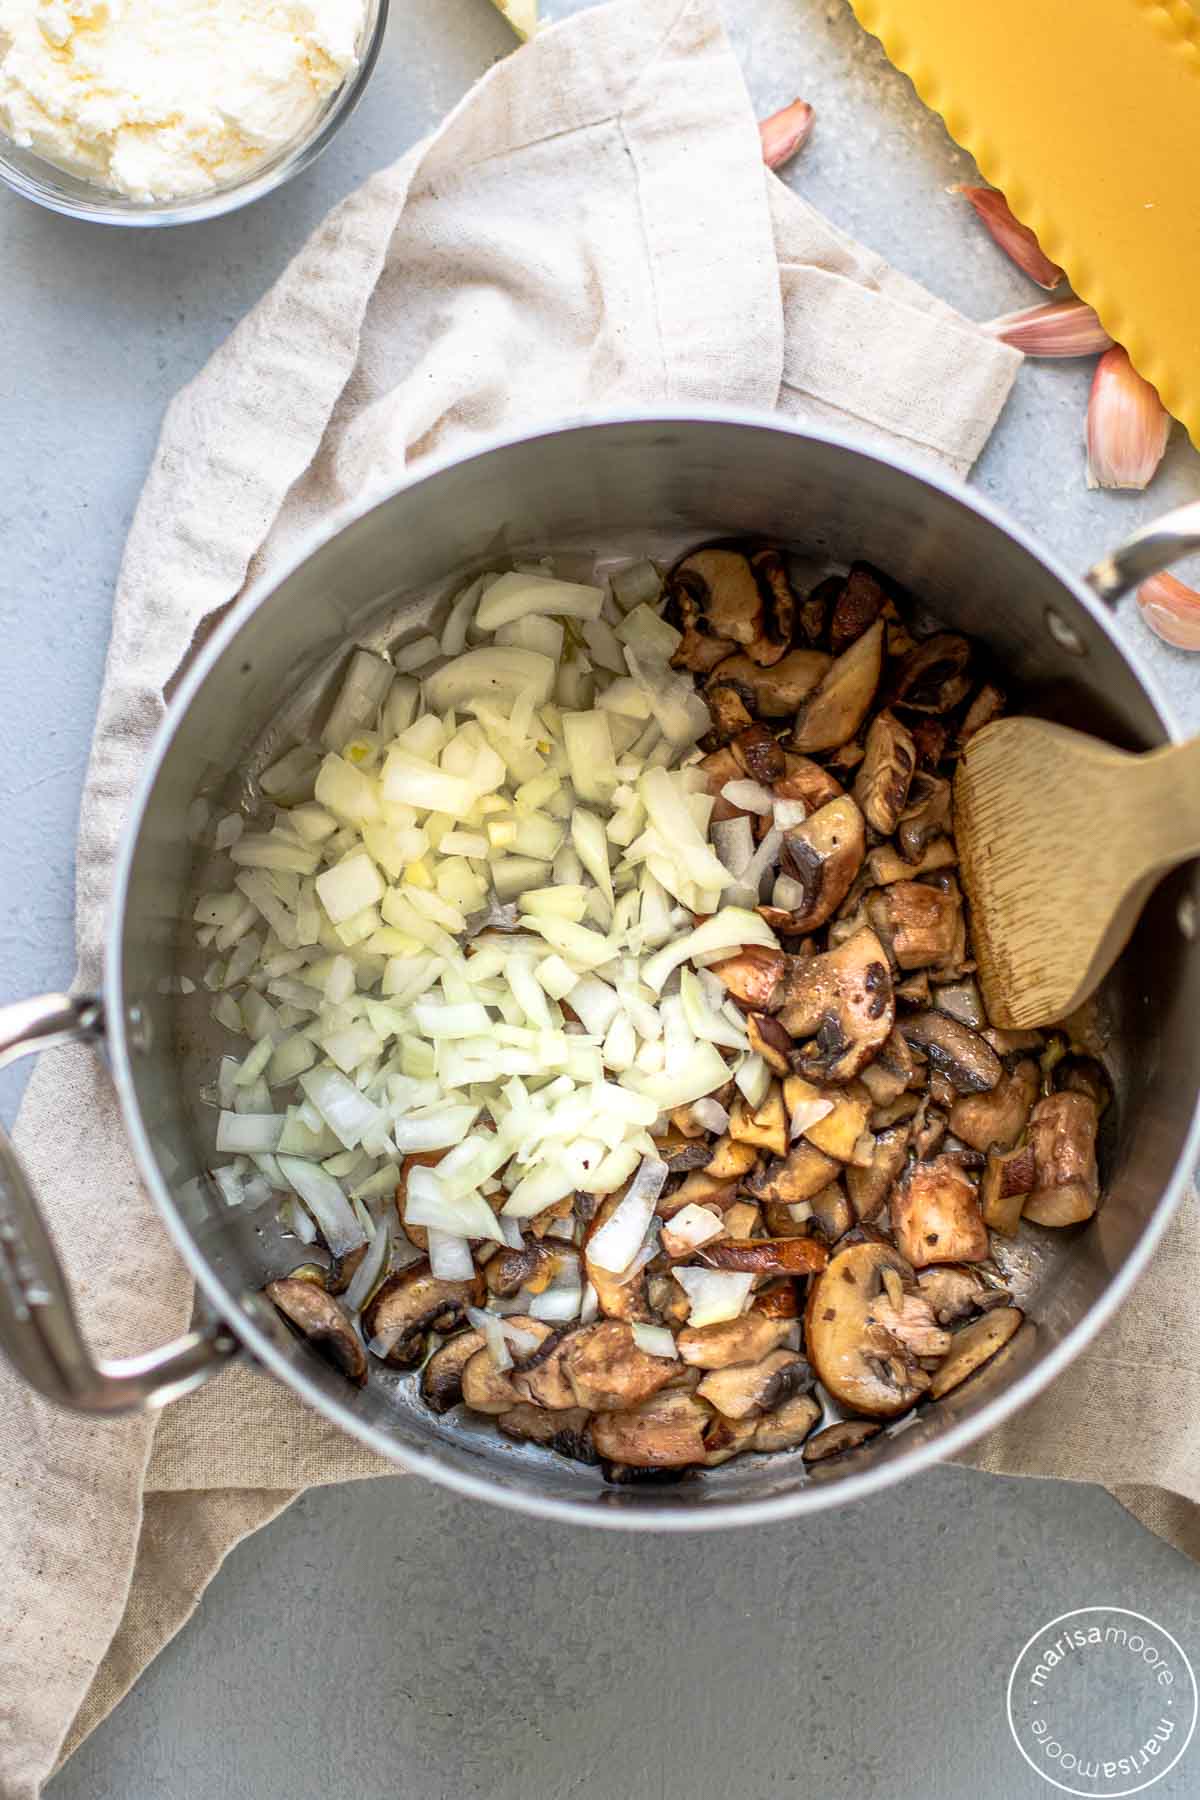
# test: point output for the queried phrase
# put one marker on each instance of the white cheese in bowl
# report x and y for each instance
(167, 99)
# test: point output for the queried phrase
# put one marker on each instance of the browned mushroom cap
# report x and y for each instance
(324, 1321)
(974, 1345)
(410, 1304)
(774, 692)
(763, 1126)
(787, 1425)
(697, 651)
(919, 924)
(841, 1003)
(765, 1256)
(803, 1172)
(833, 712)
(743, 1340)
(926, 815)
(769, 1040)
(770, 571)
(607, 1372)
(730, 1157)
(1007, 1178)
(777, 1300)
(995, 1120)
(831, 1212)
(722, 585)
(885, 864)
(754, 976)
(441, 1378)
(885, 773)
(532, 1267)
(987, 705)
(931, 737)
(962, 1054)
(868, 1188)
(727, 1438)
(952, 1292)
(747, 1389)
(932, 678)
(856, 608)
(540, 1376)
(728, 709)
(845, 1118)
(666, 1431)
(759, 755)
(681, 1153)
(340, 1273)
(803, 779)
(485, 1389)
(815, 609)
(892, 1071)
(567, 1432)
(859, 1361)
(935, 1215)
(823, 855)
(835, 1440)
(701, 1188)
(1062, 1131)
(908, 1317)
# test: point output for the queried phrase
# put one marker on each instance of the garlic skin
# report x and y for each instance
(786, 132)
(1171, 610)
(1015, 239)
(1054, 328)
(1127, 425)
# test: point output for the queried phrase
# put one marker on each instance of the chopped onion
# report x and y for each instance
(517, 596)
(344, 1108)
(691, 1227)
(715, 1294)
(321, 1194)
(808, 1112)
(371, 1269)
(427, 1203)
(497, 673)
(789, 813)
(731, 929)
(364, 688)
(750, 796)
(449, 1256)
(712, 1115)
(616, 1243)
(655, 1340)
(244, 1133)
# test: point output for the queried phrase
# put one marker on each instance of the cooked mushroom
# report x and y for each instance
(932, 678)
(764, 1126)
(885, 773)
(607, 1372)
(868, 1188)
(787, 1425)
(860, 1362)
(540, 1374)
(935, 1215)
(962, 1000)
(324, 1321)
(769, 1040)
(823, 856)
(841, 1003)
(803, 779)
(770, 571)
(746, 1340)
(919, 924)
(567, 1432)
(962, 1054)
(831, 1212)
(1062, 1131)
(682, 1153)
(701, 1188)
(856, 608)
(754, 976)
(759, 755)
(885, 864)
(746, 1389)
(728, 710)
(774, 692)
(485, 1389)
(834, 1118)
(908, 1317)
(834, 711)
(995, 1120)
(987, 705)
(765, 1256)
(1083, 1075)
(616, 1297)
(974, 1345)
(532, 1267)
(887, 1077)
(409, 1305)
(786, 1181)
(952, 1292)
(926, 815)
(835, 1440)
(815, 608)
(664, 1431)
(1007, 1178)
(930, 737)
(341, 1272)
(441, 1378)
(726, 1438)
(731, 1156)
(719, 768)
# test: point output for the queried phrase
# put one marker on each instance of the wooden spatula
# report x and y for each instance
(1061, 839)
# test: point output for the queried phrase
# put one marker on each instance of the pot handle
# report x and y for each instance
(39, 1332)
(1147, 552)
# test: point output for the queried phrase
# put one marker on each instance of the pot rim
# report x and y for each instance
(651, 1513)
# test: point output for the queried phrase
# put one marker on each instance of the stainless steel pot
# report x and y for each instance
(635, 486)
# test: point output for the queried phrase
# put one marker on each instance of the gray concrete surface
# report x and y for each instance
(384, 1639)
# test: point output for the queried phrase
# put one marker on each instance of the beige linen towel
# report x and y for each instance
(590, 229)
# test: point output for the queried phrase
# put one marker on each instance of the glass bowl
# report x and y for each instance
(29, 174)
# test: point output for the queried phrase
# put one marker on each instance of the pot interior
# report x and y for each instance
(634, 489)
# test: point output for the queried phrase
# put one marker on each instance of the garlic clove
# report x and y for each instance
(1055, 328)
(1127, 425)
(786, 132)
(1171, 610)
(1014, 238)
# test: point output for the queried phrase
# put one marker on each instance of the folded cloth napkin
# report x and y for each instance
(591, 229)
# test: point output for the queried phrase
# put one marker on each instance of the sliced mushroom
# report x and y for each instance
(765, 1256)
(885, 773)
(841, 1004)
(858, 1360)
(770, 571)
(324, 1321)
(935, 1215)
(885, 864)
(803, 779)
(745, 1340)
(682, 1153)
(728, 710)
(700, 1188)
(987, 705)
(909, 1319)
(754, 976)
(540, 1376)
(962, 1054)
(834, 711)
(759, 755)
(616, 1298)
(484, 1388)
(891, 1072)
(607, 1372)
(930, 737)
(778, 1300)
(787, 1425)
(974, 1345)
(1007, 1178)
(835, 1440)
(341, 1272)
(566, 1432)
(764, 1126)
(726, 1438)
(719, 768)
(995, 1120)
(928, 1129)
(743, 1219)
(774, 692)
(831, 1212)
(926, 816)
(869, 1188)
(856, 608)
(665, 1431)
(932, 678)
(532, 1267)
(844, 1119)
(730, 1156)
(823, 856)
(441, 1378)
(919, 924)
(1084, 1075)
(1062, 1132)
(747, 1389)
(963, 1000)
(769, 1040)
(816, 606)
(803, 1172)
(409, 1305)
(952, 1292)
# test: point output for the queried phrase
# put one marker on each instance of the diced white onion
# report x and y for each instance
(655, 1340)
(321, 1194)
(750, 796)
(715, 1294)
(617, 1242)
